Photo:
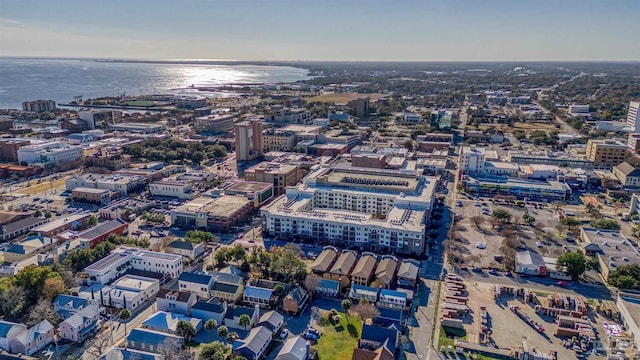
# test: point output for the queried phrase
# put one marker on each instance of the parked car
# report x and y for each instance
(284, 333)
(562, 283)
(477, 269)
(493, 272)
(459, 203)
(508, 274)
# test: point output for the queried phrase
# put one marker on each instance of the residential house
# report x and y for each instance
(233, 314)
(14, 229)
(341, 269)
(259, 296)
(150, 340)
(167, 322)
(118, 353)
(408, 273)
(390, 317)
(177, 302)
(199, 284)
(328, 287)
(363, 271)
(377, 343)
(80, 326)
(26, 248)
(359, 292)
(227, 287)
(213, 309)
(8, 332)
(295, 300)
(393, 299)
(272, 320)
(628, 175)
(33, 340)
(386, 271)
(294, 348)
(325, 260)
(255, 344)
(67, 305)
(187, 249)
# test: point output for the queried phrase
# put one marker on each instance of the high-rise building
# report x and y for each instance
(248, 140)
(39, 105)
(633, 116)
(359, 107)
(471, 160)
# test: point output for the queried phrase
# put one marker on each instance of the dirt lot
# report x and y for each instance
(342, 98)
(476, 230)
(509, 331)
(526, 127)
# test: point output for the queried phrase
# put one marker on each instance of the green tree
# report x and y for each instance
(210, 325)
(570, 222)
(278, 290)
(215, 351)
(93, 221)
(197, 157)
(624, 282)
(223, 331)
(32, 280)
(124, 315)
(244, 321)
(185, 329)
(232, 336)
(346, 305)
(47, 215)
(625, 277)
(221, 256)
(408, 145)
(607, 224)
(501, 214)
(528, 219)
(575, 263)
(37, 213)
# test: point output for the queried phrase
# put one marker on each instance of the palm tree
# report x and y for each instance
(223, 331)
(210, 325)
(124, 315)
(244, 321)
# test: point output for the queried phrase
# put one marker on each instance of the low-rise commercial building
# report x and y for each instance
(520, 188)
(214, 123)
(122, 184)
(49, 154)
(20, 227)
(258, 192)
(141, 128)
(628, 175)
(93, 236)
(278, 140)
(212, 213)
(60, 225)
(124, 258)
(187, 249)
(175, 189)
(609, 247)
(92, 195)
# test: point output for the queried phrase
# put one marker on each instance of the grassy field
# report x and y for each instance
(139, 103)
(338, 342)
(526, 127)
(342, 98)
(38, 188)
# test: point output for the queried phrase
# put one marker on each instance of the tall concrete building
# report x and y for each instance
(633, 116)
(39, 105)
(248, 140)
(359, 107)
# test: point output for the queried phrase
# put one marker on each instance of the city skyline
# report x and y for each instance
(280, 30)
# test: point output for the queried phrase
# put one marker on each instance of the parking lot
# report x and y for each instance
(479, 240)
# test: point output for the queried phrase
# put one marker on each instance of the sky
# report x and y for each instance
(354, 30)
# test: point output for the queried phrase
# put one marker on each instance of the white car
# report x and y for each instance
(481, 246)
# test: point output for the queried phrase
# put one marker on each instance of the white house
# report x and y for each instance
(8, 332)
(124, 258)
(178, 302)
(199, 284)
(187, 249)
(33, 340)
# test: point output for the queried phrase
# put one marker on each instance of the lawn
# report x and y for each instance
(139, 103)
(338, 342)
(447, 334)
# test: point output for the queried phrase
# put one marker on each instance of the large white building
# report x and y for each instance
(118, 183)
(413, 118)
(370, 208)
(50, 153)
(633, 116)
(123, 258)
(175, 189)
(471, 160)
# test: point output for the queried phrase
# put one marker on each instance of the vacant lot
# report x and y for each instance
(338, 342)
(43, 186)
(342, 98)
(141, 103)
(526, 127)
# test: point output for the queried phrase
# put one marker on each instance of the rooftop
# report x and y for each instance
(615, 249)
(134, 282)
(52, 225)
(225, 205)
(272, 168)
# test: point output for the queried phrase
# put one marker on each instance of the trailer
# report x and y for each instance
(452, 323)
(526, 318)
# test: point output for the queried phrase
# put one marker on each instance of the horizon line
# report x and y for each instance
(204, 61)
